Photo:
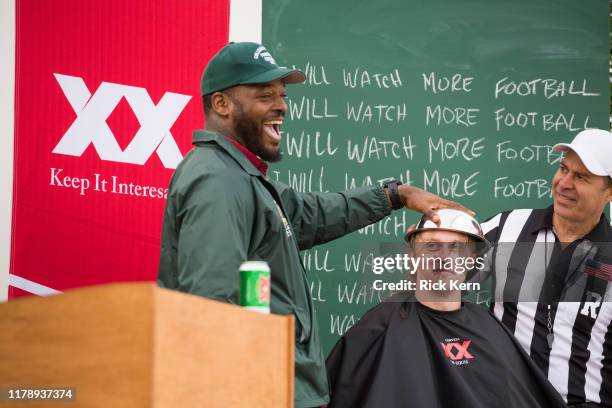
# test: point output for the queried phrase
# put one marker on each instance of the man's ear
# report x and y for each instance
(221, 104)
(609, 189)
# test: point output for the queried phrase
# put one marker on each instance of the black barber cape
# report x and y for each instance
(404, 354)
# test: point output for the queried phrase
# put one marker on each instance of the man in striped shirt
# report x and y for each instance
(552, 277)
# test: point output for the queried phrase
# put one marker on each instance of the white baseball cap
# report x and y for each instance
(594, 147)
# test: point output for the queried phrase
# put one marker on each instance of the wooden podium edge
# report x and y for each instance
(198, 317)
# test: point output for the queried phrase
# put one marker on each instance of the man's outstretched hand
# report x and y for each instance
(427, 203)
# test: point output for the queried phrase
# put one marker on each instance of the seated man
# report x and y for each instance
(428, 349)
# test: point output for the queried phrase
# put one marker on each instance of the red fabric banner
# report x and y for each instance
(107, 94)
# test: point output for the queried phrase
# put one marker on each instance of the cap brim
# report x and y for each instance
(408, 235)
(562, 147)
(590, 162)
(483, 243)
(289, 76)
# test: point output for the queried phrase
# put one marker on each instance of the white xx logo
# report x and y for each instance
(90, 125)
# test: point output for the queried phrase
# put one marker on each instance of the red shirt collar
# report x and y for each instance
(259, 164)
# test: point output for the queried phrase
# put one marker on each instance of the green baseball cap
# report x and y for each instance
(245, 63)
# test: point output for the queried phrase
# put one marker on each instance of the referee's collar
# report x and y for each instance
(543, 218)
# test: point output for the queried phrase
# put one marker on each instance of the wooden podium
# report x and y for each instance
(136, 345)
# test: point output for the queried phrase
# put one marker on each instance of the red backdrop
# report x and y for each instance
(107, 94)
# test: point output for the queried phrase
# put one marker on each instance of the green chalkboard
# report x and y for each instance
(462, 98)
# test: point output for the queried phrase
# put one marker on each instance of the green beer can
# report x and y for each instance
(255, 286)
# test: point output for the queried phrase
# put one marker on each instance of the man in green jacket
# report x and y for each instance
(222, 209)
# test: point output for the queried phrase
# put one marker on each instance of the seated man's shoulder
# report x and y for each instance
(379, 317)
(485, 317)
(477, 310)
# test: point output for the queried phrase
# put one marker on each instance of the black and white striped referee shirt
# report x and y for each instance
(541, 289)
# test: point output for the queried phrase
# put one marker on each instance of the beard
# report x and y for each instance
(250, 131)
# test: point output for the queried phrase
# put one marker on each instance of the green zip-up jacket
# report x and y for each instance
(221, 211)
